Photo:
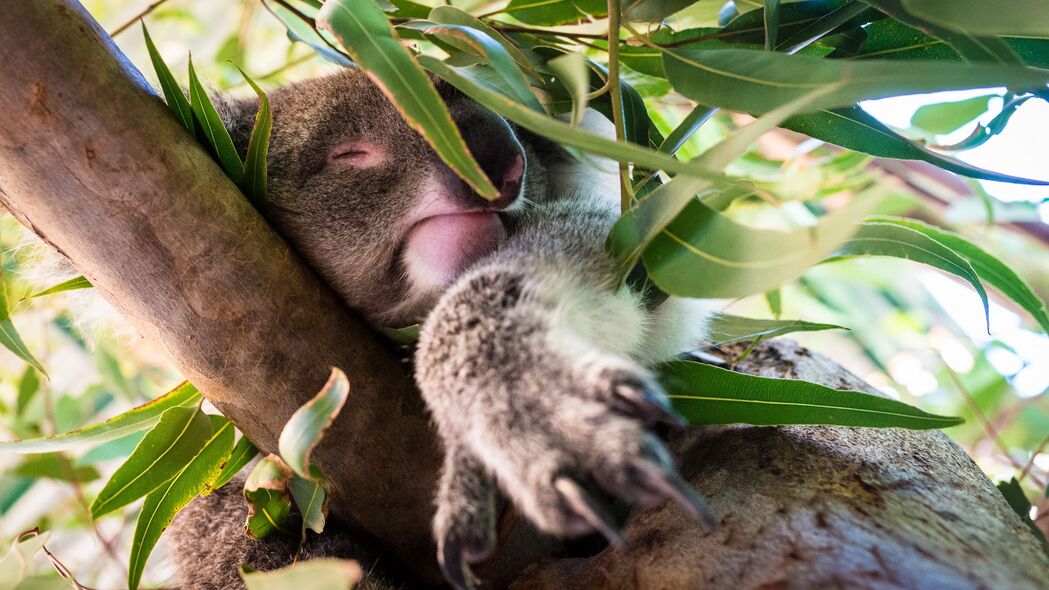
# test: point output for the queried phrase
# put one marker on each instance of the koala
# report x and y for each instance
(532, 360)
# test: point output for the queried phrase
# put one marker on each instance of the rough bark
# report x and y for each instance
(818, 507)
(92, 161)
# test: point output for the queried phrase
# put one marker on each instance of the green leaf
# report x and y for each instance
(562, 132)
(269, 503)
(315, 574)
(695, 119)
(653, 10)
(164, 451)
(9, 337)
(888, 238)
(214, 130)
(254, 183)
(508, 77)
(947, 117)
(1017, 500)
(134, 420)
(759, 81)
(774, 298)
(981, 17)
(971, 47)
(705, 254)
(173, 94)
(555, 12)
(28, 385)
(307, 425)
(891, 39)
(303, 32)
(405, 335)
(164, 502)
(70, 285)
(312, 503)
(362, 28)
(242, 454)
(570, 69)
(771, 14)
(449, 15)
(641, 225)
(53, 466)
(854, 129)
(706, 394)
(989, 268)
(726, 329)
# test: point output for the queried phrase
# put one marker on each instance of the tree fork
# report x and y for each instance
(92, 162)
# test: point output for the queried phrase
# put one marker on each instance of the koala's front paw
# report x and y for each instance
(555, 437)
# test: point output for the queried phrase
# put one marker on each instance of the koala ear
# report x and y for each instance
(239, 116)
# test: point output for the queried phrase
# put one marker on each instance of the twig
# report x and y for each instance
(1030, 462)
(615, 92)
(137, 18)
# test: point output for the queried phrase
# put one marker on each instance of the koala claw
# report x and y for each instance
(636, 398)
(589, 510)
(455, 567)
(668, 483)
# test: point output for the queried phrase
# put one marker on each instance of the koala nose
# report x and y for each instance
(509, 183)
(496, 149)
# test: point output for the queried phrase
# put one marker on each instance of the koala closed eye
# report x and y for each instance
(359, 154)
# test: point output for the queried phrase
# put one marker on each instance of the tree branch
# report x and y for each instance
(92, 161)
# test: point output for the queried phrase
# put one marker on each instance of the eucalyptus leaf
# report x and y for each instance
(173, 93)
(706, 394)
(214, 130)
(134, 420)
(9, 336)
(759, 81)
(771, 14)
(164, 502)
(168, 447)
(897, 240)
(555, 12)
(312, 503)
(571, 71)
(254, 183)
(989, 268)
(269, 500)
(28, 385)
(307, 425)
(301, 31)
(450, 15)
(68, 285)
(242, 454)
(980, 17)
(362, 28)
(946, 117)
(726, 329)
(53, 466)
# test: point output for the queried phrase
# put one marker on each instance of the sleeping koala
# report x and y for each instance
(532, 360)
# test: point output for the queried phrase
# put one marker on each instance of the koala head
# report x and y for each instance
(367, 202)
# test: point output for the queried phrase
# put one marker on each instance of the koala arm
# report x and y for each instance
(532, 366)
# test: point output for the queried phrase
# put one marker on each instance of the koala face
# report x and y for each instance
(368, 202)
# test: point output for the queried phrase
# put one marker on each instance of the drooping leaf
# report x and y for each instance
(759, 81)
(989, 268)
(450, 15)
(268, 496)
(70, 285)
(706, 394)
(726, 329)
(164, 502)
(28, 385)
(947, 117)
(312, 503)
(242, 454)
(362, 28)
(53, 466)
(887, 238)
(571, 71)
(855, 129)
(301, 31)
(556, 12)
(9, 337)
(134, 420)
(1017, 499)
(168, 447)
(214, 130)
(688, 127)
(254, 184)
(308, 424)
(771, 14)
(510, 80)
(891, 39)
(315, 574)
(979, 17)
(173, 94)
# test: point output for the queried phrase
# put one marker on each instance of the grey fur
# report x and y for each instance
(532, 362)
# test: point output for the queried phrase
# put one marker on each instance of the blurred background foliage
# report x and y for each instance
(914, 333)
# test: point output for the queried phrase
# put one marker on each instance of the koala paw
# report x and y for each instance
(555, 439)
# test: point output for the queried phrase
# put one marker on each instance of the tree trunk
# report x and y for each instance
(92, 161)
(818, 507)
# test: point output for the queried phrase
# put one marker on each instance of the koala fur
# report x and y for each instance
(532, 359)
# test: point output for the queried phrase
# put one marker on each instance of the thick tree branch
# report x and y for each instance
(92, 161)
